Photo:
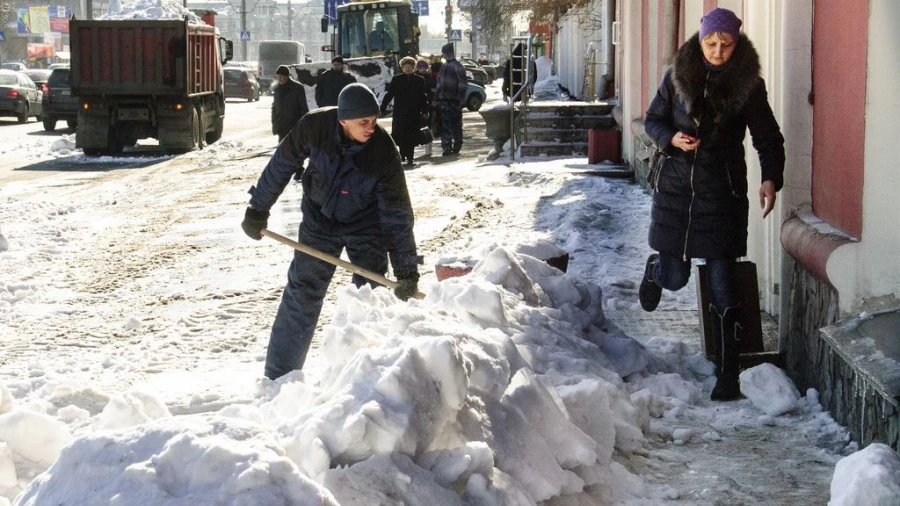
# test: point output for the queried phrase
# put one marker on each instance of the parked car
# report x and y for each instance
(475, 96)
(478, 74)
(252, 65)
(38, 77)
(58, 102)
(19, 96)
(490, 71)
(13, 65)
(241, 82)
(57, 65)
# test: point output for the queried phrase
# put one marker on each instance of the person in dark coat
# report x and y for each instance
(708, 98)
(424, 69)
(289, 104)
(354, 197)
(407, 91)
(330, 83)
(450, 95)
(517, 63)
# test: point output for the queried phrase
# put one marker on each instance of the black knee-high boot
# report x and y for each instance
(727, 335)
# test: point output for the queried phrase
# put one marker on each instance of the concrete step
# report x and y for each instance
(545, 120)
(554, 149)
(549, 135)
(572, 108)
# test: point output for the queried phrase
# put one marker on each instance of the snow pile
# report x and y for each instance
(148, 9)
(547, 89)
(870, 476)
(495, 389)
(192, 460)
(769, 389)
(64, 146)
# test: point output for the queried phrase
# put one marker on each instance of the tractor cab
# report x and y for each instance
(377, 28)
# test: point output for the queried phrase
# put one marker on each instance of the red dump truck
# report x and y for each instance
(137, 79)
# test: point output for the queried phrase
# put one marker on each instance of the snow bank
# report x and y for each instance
(487, 391)
(148, 9)
(870, 476)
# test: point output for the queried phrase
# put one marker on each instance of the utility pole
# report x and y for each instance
(244, 29)
(290, 17)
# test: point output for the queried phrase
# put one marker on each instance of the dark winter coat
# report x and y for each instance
(408, 94)
(288, 106)
(329, 85)
(700, 203)
(517, 64)
(430, 85)
(451, 82)
(348, 187)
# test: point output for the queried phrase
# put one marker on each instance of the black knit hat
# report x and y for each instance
(355, 101)
(282, 71)
(338, 59)
(448, 51)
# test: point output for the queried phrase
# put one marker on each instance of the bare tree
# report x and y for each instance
(491, 19)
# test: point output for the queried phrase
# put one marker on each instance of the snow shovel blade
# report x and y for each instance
(325, 257)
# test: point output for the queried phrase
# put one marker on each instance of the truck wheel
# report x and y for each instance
(23, 116)
(49, 124)
(93, 152)
(216, 133)
(72, 123)
(197, 130)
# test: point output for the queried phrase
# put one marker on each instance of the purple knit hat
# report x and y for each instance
(720, 20)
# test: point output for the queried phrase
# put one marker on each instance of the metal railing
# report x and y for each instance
(524, 91)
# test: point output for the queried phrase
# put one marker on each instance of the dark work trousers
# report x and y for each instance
(308, 280)
(451, 126)
(673, 273)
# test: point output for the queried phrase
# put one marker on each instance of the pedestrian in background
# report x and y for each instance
(289, 104)
(450, 94)
(424, 69)
(514, 74)
(707, 100)
(330, 83)
(354, 198)
(407, 91)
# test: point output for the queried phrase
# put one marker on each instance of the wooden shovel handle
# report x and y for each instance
(325, 257)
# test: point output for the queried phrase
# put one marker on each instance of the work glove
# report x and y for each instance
(407, 285)
(254, 222)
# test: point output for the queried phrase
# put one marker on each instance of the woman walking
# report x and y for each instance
(707, 100)
(407, 90)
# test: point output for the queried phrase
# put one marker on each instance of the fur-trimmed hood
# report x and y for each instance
(727, 88)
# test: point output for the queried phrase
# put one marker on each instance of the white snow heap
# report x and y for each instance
(148, 9)
(192, 460)
(769, 389)
(870, 476)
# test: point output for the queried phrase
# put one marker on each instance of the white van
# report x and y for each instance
(273, 53)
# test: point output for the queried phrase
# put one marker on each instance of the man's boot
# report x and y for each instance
(727, 333)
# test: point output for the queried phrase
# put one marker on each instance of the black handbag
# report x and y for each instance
(424, 136)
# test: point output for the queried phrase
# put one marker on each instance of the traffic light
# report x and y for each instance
(448, 16)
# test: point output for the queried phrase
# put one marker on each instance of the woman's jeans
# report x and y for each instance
(672, 273)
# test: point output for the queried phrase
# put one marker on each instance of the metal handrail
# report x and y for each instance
(523, 88)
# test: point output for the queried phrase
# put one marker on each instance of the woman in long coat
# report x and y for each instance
(708, 99)
(407, 90)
